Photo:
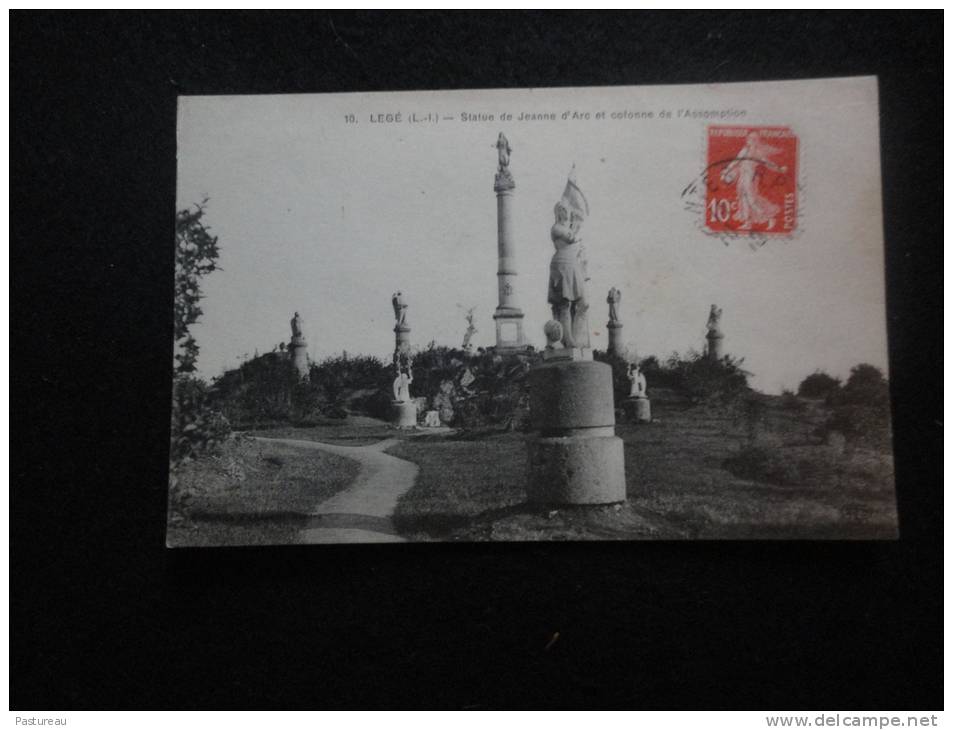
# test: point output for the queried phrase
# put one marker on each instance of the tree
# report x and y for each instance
(196, 251)
(196, 427)
(818, 385)
(867, 386)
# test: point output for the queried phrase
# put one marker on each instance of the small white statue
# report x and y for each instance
(637, 387)
(471, 329)
(402, 386)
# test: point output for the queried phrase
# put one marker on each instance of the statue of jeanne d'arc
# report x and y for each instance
(568, 274)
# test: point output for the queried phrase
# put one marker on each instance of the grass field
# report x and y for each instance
(758, 471)
(683, 482)
(351, 431)
(254, 494)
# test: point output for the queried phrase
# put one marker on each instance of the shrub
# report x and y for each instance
(866, 386)
(791, 402)
(621, 386)
(660, 375)
(197, 427)
(861, 409)
(818, 385)
(704, 380)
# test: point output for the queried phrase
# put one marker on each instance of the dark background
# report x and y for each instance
(102, 616)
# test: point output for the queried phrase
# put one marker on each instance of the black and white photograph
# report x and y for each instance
(476, 361)
(531, 314)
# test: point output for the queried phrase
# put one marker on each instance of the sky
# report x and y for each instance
(326, 216)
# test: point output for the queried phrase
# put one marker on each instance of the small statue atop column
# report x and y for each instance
(503, 151)
(297, 348)
(715, 336)
(400, 309)
(615, 296)
(296, 327)
(714, 319)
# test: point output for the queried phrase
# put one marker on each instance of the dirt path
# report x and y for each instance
(362, 512)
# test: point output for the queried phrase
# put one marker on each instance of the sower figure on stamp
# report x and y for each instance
(567, 269)
(753, 208)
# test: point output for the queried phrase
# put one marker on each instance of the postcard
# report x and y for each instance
(602, 313)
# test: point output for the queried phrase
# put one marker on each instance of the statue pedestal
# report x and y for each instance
(404, 413)
(575, 456)
(715, 339)
(509, 331)
(298, 354)
(402, 338)
(638, 409)
(615, 338)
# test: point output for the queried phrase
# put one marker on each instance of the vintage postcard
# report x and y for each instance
(531, 314)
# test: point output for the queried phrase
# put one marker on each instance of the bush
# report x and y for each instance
(659, 375)
(704, 380)
(791, 402)
(335, 379)
(818, 385)
(197, 428)
(621, 386)
(861, 409)
(866, 386)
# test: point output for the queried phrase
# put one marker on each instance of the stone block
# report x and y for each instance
(404, 413)
(577, 469)
(638, 410)
(570, 395)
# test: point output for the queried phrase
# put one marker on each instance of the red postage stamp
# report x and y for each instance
(751, 180)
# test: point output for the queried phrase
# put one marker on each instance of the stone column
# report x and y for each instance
(715, 338)
(403, 406)
(402, 338)
(298, 350)
(575, 456)
(615, 338)
(508, 316)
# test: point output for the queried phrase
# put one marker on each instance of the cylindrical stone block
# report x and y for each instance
(576, 470)
(639, 410)
(571, 395)
(715, 345)
(615, 338)
(575, 458)
(404, 413)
